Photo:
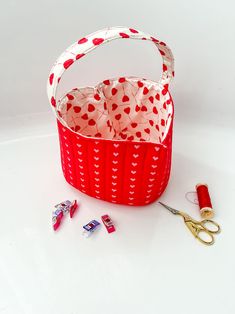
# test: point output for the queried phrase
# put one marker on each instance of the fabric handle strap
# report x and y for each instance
(86, 44)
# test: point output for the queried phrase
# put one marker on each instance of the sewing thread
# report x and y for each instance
(204, 201)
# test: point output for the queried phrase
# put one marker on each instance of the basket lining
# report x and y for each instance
(119, 109)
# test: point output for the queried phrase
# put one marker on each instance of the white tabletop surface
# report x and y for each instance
(151, 264)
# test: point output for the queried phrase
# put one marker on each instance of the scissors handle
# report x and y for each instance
(210, 239)
(206, 223)
(199, 228)
(199, 231)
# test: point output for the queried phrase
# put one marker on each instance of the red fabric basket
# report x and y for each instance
(115, 138)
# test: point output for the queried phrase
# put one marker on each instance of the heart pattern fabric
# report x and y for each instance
(125, 108)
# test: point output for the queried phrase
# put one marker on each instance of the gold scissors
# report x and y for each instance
(198, 228)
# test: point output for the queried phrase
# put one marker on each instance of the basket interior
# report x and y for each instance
(119, 109)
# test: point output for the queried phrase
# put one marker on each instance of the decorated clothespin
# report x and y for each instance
(108, 223)
(62, 209)
(56, 218)
(90, 228)
(73, 208)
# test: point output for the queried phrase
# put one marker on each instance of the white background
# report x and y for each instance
(152, 263)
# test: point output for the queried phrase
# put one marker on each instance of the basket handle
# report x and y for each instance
(92, 41)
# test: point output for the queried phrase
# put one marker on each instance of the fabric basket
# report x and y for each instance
(116, 137)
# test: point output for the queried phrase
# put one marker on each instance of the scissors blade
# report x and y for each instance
(172, 210)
